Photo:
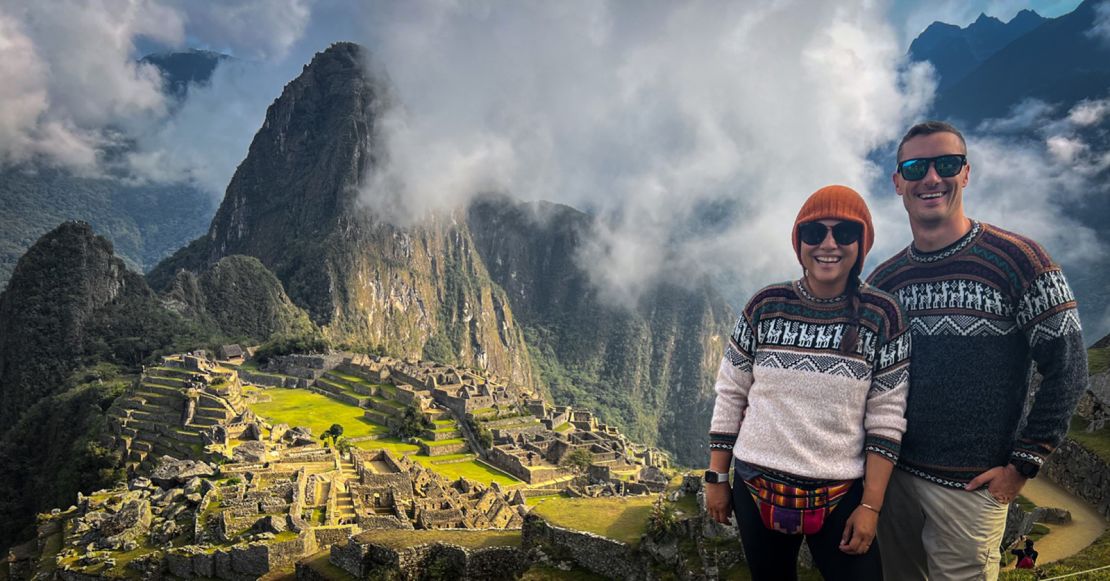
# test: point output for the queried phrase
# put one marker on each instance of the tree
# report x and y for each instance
(411, 423)
(579, 459)
(331, 436)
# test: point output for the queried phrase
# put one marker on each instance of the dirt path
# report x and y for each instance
(1065, 539)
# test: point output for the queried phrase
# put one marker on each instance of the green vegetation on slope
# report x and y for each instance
(623, 519)
(56, 449)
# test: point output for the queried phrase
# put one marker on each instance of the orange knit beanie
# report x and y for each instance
(836, 203)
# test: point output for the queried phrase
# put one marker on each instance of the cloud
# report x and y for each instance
(75, 93)
(1101, 27)
(693, 132)
(70, 87)
(250, 29)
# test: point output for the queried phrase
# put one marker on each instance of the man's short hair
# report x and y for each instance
(929, 128)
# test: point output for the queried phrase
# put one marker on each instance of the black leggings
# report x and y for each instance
(772, 555)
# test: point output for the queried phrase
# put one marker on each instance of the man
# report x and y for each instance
(984, 304)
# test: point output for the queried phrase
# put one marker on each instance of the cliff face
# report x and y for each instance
(53, 312)
(292, 204)
(647, 368)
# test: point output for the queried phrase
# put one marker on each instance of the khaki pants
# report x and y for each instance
(928, 531)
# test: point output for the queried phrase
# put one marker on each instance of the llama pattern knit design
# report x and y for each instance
(789, 400)
(981, 311)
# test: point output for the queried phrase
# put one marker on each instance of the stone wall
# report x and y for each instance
(365, 560)
(442, 450)
(271, 380)
(238, 563)
(612, 559)
(1082, 473)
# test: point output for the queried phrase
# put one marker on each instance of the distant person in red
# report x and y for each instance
(1027, 557)
(811, 394)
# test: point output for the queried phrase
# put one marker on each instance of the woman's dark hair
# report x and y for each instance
(851, 330)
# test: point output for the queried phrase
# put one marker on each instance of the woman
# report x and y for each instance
(810, 400)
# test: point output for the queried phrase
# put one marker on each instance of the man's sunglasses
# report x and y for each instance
(814, 233)
(947, 166)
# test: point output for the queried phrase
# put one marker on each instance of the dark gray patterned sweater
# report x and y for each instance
(981, 312)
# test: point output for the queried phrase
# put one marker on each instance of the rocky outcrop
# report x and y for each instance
(1082, 473)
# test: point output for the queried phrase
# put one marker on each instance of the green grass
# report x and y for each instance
(445, 423)
(301, 407)
(563, 427)
(534, 500)
(350, 378)
(620, 518)
(471, 470)
(1097, 441)
(463, 538)
(392, 444)
(439, 443)
(1098, 360)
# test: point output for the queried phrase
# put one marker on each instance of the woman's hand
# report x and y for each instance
(859, 531)
(718, 501)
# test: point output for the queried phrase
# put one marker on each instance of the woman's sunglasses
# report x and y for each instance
(814, 233)
(947, 166)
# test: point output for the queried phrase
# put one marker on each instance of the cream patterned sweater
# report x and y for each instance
(790, 401)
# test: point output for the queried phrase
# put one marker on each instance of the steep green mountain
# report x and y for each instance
(469, 286)
(239, 297)
(62, 308)
(293, 205)
(75, 325)
(648, 368)
(145, 223)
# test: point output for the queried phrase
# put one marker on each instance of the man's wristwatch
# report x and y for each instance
(1026, 468)
(712, 477)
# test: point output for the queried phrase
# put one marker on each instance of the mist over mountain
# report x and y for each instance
(145, 220)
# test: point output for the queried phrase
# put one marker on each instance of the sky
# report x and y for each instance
(693, 131)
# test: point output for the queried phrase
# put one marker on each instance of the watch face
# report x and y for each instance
(712, 477)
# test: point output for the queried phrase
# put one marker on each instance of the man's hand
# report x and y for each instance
(859, 531)
(718, 502)
(1003, 482)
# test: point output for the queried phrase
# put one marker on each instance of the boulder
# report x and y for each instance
(171, 471)
(253, 451)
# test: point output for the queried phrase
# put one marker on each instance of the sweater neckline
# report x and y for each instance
(948, 251)
(800, 288)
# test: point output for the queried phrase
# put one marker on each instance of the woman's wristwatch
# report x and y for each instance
(712, 477)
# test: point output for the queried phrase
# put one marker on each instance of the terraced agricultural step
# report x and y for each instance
(141, 445)
(219, 414)
(150, 387)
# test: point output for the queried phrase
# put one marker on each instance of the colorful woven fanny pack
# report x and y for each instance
(794, 510)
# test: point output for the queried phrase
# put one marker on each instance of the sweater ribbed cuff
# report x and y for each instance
(1029, 453)
(722, 441)
(885, 447)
